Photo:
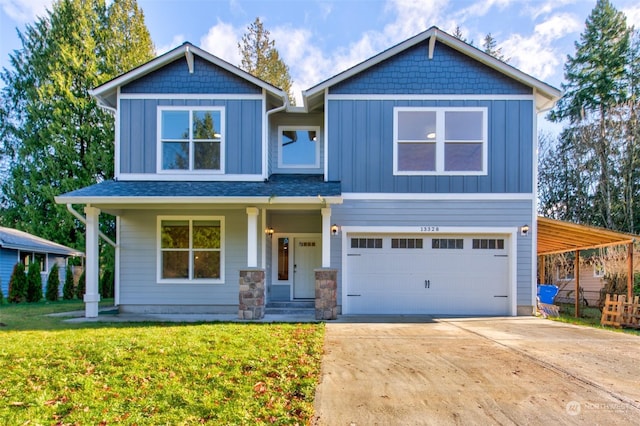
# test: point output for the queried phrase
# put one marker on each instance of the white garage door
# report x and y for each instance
(418, 274)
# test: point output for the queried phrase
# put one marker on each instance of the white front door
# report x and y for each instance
(307, 256)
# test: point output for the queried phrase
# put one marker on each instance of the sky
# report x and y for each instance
(320, 38)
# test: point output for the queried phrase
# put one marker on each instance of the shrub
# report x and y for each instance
(34, 283)
(69, 287)
(106, 284)
(17, 284)
(53, 283)
(80, 288)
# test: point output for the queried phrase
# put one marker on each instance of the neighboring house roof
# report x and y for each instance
(545, 95)
(107, 92)
(19, 240)
(278, 187)
(556, 236)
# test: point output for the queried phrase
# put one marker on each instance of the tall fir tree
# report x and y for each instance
(595, 86)
(490, 46)
(54, 136)
(261, 59)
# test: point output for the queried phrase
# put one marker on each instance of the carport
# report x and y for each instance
(556, 236)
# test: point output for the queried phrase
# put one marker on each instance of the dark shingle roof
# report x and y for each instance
(19, 240)
(276, 186)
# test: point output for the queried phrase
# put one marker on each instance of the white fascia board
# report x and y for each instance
(385, 97)
(189, 177)
(189, 96)
(197, 200)
(549, 92)
(437, 197)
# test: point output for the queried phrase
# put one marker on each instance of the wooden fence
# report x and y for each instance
(618, 312)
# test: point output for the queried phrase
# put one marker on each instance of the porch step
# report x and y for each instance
(298, 307)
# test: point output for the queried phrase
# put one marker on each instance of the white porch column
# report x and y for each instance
(92, 253)
(326, 237)
(252, 237)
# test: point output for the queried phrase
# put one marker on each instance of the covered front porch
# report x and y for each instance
(248, 230)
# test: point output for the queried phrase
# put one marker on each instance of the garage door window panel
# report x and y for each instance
(442, 141)
(447, 243)
(366, 243)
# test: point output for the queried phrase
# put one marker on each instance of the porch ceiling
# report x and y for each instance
(555, 236)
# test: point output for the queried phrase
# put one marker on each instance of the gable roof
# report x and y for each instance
(107, 92)
(545, 95)
(19, 240)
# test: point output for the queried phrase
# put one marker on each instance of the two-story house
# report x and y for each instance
(411, 177)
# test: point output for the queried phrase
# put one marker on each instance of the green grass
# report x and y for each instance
(589, 317)
(154, 373)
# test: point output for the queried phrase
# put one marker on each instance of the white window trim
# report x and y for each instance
(316, 164)
(440, 142)
(190, 280)
(190, 172)
(44, 268)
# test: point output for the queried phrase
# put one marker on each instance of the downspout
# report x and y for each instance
(265, 164)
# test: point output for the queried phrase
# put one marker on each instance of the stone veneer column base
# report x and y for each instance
(251, 297)
(326, 294)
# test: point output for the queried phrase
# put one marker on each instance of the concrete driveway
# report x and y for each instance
(517, 371)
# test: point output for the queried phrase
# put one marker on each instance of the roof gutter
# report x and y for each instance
(84, 221)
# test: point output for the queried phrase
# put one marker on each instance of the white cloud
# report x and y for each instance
(633, 16)
(177, 40)
(536, 54)
(25, 11)
(538, 8)
(222, 41)
(482, 7)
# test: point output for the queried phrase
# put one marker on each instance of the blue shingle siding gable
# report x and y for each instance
(206, 79)
(412, 72)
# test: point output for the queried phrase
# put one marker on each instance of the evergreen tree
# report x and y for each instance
(34, 282)
(261, 58)
(68, 290)
(53, 283)
(53, 135)
(17, 284)
(490, 46)
(595, 86)
(82, 285)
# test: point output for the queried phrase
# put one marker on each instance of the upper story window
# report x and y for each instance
(298, 147)
(440, 141)
(191, 139)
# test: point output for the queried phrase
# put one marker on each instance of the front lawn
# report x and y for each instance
(218, 373)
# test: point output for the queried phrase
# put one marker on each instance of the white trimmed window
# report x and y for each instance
(298, 147)
(191, 139)
(191, 249)
(439, 141)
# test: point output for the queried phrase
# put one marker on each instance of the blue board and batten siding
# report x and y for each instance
(361, 148)
(360, 133)
(140, 99)
(139, 140)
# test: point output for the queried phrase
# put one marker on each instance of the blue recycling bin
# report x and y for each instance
(547, 293)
